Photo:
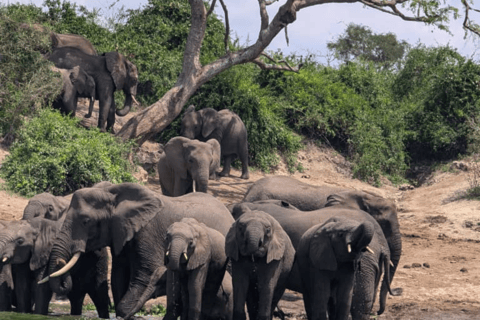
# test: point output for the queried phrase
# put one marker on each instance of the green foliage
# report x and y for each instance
(155, 310)
(360, 43)
(26, 81)
(53, 154)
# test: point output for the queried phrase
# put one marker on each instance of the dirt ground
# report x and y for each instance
(439, 268)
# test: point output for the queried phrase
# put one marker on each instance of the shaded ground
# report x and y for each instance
(439, 269)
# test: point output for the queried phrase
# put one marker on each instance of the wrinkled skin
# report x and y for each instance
(196, 263)
(184, 161)
(110, 71)
(296, 223)
(76, 84)
(302, 195)
(262, 257)
(26, 244)
(133, 221)
(226, 127)
(327, 256)
(45, 205)
(385, 213)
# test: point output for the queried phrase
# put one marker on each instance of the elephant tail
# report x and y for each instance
(386, 285)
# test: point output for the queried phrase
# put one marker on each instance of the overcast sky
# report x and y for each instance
(315, 26)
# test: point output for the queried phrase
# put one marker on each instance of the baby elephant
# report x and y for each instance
(327, 257)
(196, 262)
(185, 164)
(262, 256)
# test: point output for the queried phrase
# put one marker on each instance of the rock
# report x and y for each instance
(406, 186)
(426, 265)
(416, 265)
(407, 266)
(460, 165)
(141, 174)
(463, 270)
(148, 155)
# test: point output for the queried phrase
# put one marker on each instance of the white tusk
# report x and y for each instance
(4, 259)
(349, 248)
(44, 280)
(185, 256)
(194, 187)
(370, 250)
(168, 252)
(68, 266)
(135, 100)
(391, 263)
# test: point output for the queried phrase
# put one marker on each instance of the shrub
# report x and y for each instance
(53, 154)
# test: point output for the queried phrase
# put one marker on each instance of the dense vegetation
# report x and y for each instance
(385, 108)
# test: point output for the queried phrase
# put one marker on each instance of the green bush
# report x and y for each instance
(53, 154)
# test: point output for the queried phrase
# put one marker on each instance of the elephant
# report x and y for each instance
(26, 244)
(303, 196)
(45, 205)
(262, 257)
(327, 257)
(296, 223)
(185, 162)
(133, 221)
(196, 264)
(385, 213)
(226, 127)
(76, 84)
(111, 72)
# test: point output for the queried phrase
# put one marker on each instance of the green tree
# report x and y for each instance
(359, 42)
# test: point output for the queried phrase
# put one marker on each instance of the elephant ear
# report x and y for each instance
(116, 66)
(239, 209)
(231, 247)
(134, 207)
(79, 79)
(215, 153)
(335, 200)
(203, 247)
(209, 121)
(276, 246)
(175, 154)
(191, 108)
(46, 233)
(321, 251)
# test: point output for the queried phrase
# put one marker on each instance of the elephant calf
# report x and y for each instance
(185, 164)
(262, 256)
(196, 263)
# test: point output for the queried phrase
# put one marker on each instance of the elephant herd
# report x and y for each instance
(337, 247)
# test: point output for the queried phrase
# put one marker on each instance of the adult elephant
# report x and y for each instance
(26, 244)
(226, 127)
(45, 205)
(304, 196)
(296, 223)
(185, 162)
(60, 40)
(76, 84)
(111, 72)
(133, 221)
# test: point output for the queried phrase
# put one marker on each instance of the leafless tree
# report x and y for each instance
(157, 116)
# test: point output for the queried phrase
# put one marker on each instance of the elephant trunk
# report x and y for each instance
(201, 179)
(32, 210)
(126, 106)
(255, 239)
(59, 256)
(176, 254)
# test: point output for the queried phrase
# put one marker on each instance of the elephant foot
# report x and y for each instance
(224, 174)
(245, 175)
(87, 116)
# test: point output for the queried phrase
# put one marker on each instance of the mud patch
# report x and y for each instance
(433, 220)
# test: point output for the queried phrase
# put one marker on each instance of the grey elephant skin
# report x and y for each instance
(45, 205)
(296, 223)
(76, 84)
(308, 197)
(303, 196)
(327, 256)
(262, 257)
(133, 221)
(111, 72)
(196, 264)
(26, 245)
(226, 127)
(185, 161)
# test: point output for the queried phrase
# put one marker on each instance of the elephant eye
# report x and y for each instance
(268, 230)
(190, 243)
(20, 241)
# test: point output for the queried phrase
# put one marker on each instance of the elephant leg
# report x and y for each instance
(106, 102)
(196, 283)
(252, 301)
(320, 296)
(269, 290)
(227, 161)
(76, 298)
(111, 117)
(99, 296)
(343, 296)
(173, 295)
(240, 283)
(120, 277)
(43, 295)
(364, 290)
(23, 289)
(243, 155)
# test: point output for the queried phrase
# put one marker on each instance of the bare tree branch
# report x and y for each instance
(286, 36)
(263, 16)
(267, 3)
(466, 23)
(395, 11)
(227, 26)
(212, 7)
(276, 66)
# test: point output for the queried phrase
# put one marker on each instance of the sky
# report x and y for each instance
(317, 25)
